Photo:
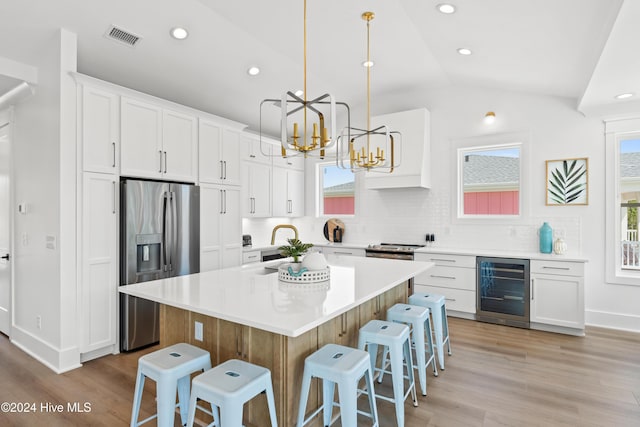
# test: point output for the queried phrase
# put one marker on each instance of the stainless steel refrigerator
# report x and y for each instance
(159, 238)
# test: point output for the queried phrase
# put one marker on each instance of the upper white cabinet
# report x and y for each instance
(250, 149)
(288, 192)
(157, 144)
(415, 153)
(219, 154)
(99, 124)
(557, 296)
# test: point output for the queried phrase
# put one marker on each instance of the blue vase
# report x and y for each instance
(546, 239)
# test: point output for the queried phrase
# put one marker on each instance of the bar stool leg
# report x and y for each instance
(432, 355)
(137, 399)
(304, 396)
(446, 328)
(437, 324)
(418, 335)
(231, 414)
(191, 415)
(373, 354)
(271, 401)
(328, 388)
(398, 385)
(166, 392)
(372, 398)
(184, 386)
(412, 380)
(348, 395)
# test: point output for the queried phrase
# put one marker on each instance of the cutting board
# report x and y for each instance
(330, 226)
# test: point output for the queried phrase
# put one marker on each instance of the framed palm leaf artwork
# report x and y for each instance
(568, 182)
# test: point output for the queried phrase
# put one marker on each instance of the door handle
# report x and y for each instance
(221, 170)
(532, 288)
(113, 144)
(160, 151)
(113, 211)
(5, 257)
(224, 199)
(165, 162)
(221, 203)
(225, 170)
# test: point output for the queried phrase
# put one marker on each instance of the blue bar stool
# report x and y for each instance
(171, 369)
(435, 303)
(417, 318)
(345, 366)
(228, 387)
(396, 338)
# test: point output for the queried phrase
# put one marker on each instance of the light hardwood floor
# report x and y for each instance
(497, 376)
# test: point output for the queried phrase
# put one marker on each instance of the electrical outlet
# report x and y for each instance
(198, 331)
(39, 322)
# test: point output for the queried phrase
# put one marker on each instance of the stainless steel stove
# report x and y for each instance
(392, 250)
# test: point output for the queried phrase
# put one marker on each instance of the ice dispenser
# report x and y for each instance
(149, 254)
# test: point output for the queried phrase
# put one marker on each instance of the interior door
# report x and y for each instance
(5, 230)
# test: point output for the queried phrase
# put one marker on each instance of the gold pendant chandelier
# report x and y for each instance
(371, 150)
(300, 134)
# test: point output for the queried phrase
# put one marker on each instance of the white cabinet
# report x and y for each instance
(99, 124)
(251, 149)
(157, 143)
(219, 154)
(220, 227)
(415, 151)
(557, 295)
(179, 147)
(453, 276)
(256, 190)
(99, 285)
(288, 192)
(332, 250)
(249, 257)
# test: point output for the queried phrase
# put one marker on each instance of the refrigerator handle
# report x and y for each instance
(165, 230)
(174, 227)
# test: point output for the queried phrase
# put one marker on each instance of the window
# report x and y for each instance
(623, 200)
(336, 190)
(489, 181)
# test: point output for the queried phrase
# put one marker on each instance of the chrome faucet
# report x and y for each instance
(279, 226)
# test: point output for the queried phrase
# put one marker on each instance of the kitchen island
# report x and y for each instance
(247, 313)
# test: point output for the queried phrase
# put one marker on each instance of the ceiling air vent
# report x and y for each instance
(122, 36)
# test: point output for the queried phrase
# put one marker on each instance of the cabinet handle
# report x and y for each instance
(225, 201)
(165, 162)
(443, 259)
(252, 156)
(113, 211)
(160, 151)
(221, 202)
(443, 277)
(343, 253)
(113, 144)
(532, 288)
(555, 268)
(221, 173)
(225, 169)
(253, 209)
(252, 256)
(343, 323)
(450, 299)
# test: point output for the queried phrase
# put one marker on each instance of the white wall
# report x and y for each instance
(556, 131)
(44, 156)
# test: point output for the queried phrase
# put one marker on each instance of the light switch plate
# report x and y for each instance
(198, 331)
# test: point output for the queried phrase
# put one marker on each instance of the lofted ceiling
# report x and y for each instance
(578, 49)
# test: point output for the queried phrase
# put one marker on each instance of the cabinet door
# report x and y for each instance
(341, 330)
(180, 154)
(557, 300)
(261, 190)
(141, 139)
(280, 195)
(231, 157)
(295, 186)
(231, 228)
(100, 127)
(99, 286)
(252, 150)
(210, 160)
(211, 205)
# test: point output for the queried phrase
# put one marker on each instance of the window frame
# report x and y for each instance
(483, 143)
(319, 193)
(616, 131)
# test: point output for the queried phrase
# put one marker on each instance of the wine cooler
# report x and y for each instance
(503, 291)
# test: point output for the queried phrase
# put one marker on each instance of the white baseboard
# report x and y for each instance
(58, 360)
(603, 319)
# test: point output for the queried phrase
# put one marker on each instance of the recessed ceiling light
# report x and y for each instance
(367, 64)
(464, 51)
(299, 92)
(179, 33)
(253, 71)
(624, 96)
(490, 118)
(446, 8)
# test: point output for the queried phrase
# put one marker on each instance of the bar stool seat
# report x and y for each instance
(436, 303)
(227, 387)
(171, 369)
(396, 338)
(344, 366)
(417, 318)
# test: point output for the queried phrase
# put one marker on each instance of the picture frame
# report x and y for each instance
(567, 182)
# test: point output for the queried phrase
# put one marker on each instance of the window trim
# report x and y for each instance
(615, 131)
(506, 140)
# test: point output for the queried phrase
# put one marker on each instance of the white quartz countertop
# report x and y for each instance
(253, 296)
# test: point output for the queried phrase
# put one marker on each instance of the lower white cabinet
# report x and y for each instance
(453, 276)
(557, 295)
(256, 190)
(99, 285)
(249, 257)
(331, 250)
(220, 227)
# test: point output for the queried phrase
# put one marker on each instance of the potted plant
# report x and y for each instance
(295, 249)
